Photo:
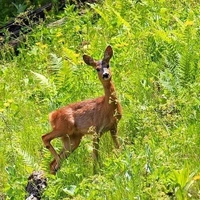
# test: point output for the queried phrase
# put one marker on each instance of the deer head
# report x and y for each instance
(102, 66)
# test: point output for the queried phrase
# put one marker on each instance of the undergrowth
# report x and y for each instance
(156, 74)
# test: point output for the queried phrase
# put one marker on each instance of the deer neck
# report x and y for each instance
(110, 94)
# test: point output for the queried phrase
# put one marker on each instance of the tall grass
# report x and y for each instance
(156, 74)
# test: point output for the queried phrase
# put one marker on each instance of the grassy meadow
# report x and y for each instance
(156, 72)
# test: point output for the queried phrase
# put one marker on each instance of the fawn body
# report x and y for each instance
(93, 116)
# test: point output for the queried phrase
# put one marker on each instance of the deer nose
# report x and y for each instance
(105, 75)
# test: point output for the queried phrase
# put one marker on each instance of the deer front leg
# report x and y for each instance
(70, 144)
(96, 139)
(113, 132)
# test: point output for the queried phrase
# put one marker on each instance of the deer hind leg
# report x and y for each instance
(70, 144)
(113, 132)
(47, 143)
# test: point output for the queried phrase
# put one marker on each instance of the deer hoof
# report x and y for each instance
(54, 167)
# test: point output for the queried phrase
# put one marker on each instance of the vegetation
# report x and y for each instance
(156, 71)
(11, 9)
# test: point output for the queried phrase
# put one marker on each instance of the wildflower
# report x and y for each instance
(6, 104)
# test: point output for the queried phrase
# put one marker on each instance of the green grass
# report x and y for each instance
(156, 71)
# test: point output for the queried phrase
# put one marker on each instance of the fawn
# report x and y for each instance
(93, 116)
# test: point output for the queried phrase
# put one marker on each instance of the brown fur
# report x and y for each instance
(94, 116)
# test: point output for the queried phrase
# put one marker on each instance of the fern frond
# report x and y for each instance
(98, 11)
(71, 55)
(120, 19)
(187, 69)
(41, 78)
(172, 58)
(28, 160)
(55, 63)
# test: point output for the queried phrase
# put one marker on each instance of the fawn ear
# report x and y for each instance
(88, 60)
(108, 53)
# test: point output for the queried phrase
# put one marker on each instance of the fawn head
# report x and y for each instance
(102, 66)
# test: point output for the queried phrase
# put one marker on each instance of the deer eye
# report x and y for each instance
(98, 69)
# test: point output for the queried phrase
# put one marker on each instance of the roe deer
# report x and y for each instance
(94, 116)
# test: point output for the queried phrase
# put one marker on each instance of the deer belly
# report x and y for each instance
(106, 126)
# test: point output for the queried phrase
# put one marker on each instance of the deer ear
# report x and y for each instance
(88, 60)
(108, 53)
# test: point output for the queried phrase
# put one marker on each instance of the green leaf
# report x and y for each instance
(70, 190)
(41, 78)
